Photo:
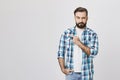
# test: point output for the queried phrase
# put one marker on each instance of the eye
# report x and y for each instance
(83, 18)
(77, 17)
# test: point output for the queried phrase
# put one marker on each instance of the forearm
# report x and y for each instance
(61, 63)
(84, 48)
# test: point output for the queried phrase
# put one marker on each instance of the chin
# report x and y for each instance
(81, 27)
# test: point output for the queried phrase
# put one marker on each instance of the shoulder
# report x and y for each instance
(91, 31)
(68, 31)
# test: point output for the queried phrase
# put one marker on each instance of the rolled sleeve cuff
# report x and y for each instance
(93, 53)
(60, 54)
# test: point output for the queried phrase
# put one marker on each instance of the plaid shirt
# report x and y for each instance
(88, 38)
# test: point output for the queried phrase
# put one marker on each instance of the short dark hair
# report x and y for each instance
(81, 9)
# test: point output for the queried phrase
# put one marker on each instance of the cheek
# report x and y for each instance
(85, 21)
(77, 21)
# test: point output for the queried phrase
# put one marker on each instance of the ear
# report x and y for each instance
(87, 18)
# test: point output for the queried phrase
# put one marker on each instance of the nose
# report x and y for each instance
(80, 20)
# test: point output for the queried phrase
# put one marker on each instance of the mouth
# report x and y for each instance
(81, 24)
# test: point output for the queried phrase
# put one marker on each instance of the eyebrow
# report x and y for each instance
(79, 17)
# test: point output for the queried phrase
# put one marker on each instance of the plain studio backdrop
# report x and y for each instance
(30, 31)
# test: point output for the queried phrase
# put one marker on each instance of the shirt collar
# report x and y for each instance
(74, 30)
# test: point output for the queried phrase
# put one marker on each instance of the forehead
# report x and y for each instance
(80, 14)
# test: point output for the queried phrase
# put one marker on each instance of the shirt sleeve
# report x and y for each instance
(62, 47)
(94, 45)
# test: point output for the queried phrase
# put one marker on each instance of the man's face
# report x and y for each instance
(81, 19)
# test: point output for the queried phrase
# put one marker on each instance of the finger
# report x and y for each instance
(71, 70)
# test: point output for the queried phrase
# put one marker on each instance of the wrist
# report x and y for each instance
(62, 69)
(78, 43)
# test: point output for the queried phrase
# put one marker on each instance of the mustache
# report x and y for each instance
(81, 23)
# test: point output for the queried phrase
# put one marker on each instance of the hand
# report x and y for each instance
(67, 71)
(76, 40)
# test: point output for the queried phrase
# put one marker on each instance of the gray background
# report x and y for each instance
(30, 31)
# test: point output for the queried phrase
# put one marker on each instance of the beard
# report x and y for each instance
(81, 25)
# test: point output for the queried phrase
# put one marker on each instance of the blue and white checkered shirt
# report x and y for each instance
(90, 39)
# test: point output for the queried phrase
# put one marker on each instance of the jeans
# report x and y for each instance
(73, 76)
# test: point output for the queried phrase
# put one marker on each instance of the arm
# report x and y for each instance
(61, 52)
(61, 55)
(94, 45)
(62, 66)
(92, 50)
(81, 45)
